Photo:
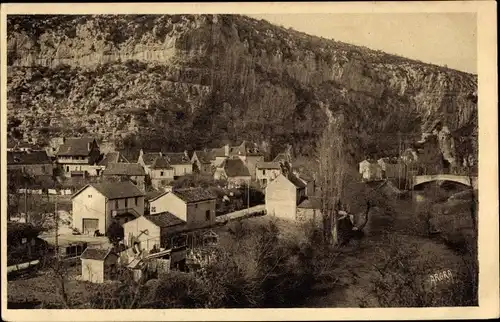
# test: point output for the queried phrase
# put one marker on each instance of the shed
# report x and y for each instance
(98, 264)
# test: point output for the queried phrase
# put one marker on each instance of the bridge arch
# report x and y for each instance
(464, 180)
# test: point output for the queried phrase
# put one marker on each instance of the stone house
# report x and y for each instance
(98, 265)
(283, 194)
(77, 156)
(133, 172)
(247, 152)
(180, 162)
(202, 161)
(195, 206)
(370, 170)
(35, 163)
(234, 172)
(95, 206)
(112, 157)
(157, 167)
(267, 172)
(152, 231)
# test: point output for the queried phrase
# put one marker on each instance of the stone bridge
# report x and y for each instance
(465, 180)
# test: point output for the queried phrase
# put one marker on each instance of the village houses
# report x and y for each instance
(35, 163)
(133, 172)
(79, 157)
(180, 162)
(95, 206)
(202, 161)
(154, 231)
(195, 206)
(283, 194)
(234, 172)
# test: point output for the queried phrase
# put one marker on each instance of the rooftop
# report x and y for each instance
(310, 203)
(160, 162)
(95, 253)
(165, 219)
(205, 156)
(176, 158)
(33, 157)
(116, 190)
(269, 165)
(113, 157)
(194, 194)
(75, 147)
(129, 169)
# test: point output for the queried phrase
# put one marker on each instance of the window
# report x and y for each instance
(67, 168)
(136, 200)
(161, 173)
(90, 196)
(153, 209)
(116, 204)
(207, 215)
(196, 205)
(126, 202)
(264, 171)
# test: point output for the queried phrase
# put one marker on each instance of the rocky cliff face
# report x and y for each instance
(187, 81)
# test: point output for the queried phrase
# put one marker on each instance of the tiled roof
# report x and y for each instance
(115, 190)
(269, 165)
(150, 157)
(296, 181)
(113, 157)
(165, 219)
(75, 146)
(177, 158)
(235, 168)
(219, 152)
(310, 203)
(205, 156)
(129, 169)
(194, 194)
(150, 195)
(95, 253)
(160, 163)
(33, 157)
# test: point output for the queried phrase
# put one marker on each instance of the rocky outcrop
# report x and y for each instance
(199, 79)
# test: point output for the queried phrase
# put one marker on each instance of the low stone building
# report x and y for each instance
(98, 265)
(133, 172)
(370, 170)
(35, 163)
(309, 211)
(267, 172)
(234, 172)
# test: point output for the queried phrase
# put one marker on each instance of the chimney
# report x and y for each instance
(89, 144)
(141, 153)
(161, 154)
(226, 150)
(186, 154)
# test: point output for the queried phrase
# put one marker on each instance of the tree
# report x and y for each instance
(332, 166)
(115, 232)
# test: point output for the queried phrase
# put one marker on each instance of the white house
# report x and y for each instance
(267, 172)
(234, 172)
(78, 156)
(283, 194)
(98, 265)
(152, 231)
(370, 171)
(195, 206)
(96, 205)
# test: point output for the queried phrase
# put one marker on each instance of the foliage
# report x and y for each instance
(115, 232)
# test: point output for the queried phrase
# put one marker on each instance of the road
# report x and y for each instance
(240, 213)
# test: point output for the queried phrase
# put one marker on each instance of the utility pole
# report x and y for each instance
(57, 229)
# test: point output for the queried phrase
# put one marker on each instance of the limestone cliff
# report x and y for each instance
(186, 81)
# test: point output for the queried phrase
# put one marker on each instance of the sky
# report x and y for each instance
(438, 38)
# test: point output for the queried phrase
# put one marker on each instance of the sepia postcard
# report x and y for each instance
(249, 161)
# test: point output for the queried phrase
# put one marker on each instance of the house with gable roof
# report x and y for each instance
(157, 167)
(79, 156)
(96, 205)
(202, 161)
(98, 265)
(283, 195)
(152, 231)
(180, 162)
(266, 172)
(234, 172)
(195, 206)
(35, 163)
(133, 172)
